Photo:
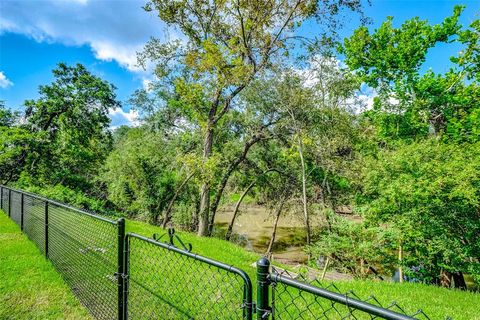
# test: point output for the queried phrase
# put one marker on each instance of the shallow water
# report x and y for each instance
(253, 229)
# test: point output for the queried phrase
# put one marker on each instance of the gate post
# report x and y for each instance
(121, 269)
(126, 252)
(263, 289)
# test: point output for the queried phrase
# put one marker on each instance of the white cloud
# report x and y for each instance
(365, 95)
(4, 81)
(147, 84)
(119, 118)
(125, 56)
(115, 30)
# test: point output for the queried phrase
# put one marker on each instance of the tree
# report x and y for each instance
(14, 143)
(353, 247)
(71, 124)
(139, 180)
(429, 191)
(420, 173)
(227, 44)
(410, 104)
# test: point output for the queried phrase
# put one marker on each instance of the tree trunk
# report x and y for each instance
(168, 212)
(304, 189)
(274, 231)
(226, 176)
(400, 261)
(205, 189)
(325, 268)
(196, 212)
(459, 281)
(235, 212)
(445, 279)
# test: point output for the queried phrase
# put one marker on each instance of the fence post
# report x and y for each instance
(21, 210)
(126, 252)
(1, 198)
(121, 269)
(263, 288)
(9, 202)
(46, 229)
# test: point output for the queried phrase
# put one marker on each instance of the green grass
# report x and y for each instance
(436, 302)
(234, 197)
(30, 288)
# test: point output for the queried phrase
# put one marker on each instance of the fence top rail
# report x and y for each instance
(339, 298)
(60, 204)
(215, 263)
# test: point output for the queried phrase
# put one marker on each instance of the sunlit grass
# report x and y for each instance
(436, 302)
(30, 288)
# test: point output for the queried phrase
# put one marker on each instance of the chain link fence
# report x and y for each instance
(166, 282)
(127, 276)
(81, 246)
(296, 297)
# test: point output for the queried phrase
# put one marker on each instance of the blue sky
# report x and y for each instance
(105, 34)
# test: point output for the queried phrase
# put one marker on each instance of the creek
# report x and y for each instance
(253, 229)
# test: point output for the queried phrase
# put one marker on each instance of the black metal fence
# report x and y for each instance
(119, 275)
(82, 247)
(166, 282)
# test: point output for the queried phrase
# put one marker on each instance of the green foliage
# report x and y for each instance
(395, 55)
(423, 180)
(70, 121)
(227, 45)
(7, 117)
(67, 195)
(140, 173)
(14, 145)
(429, 191)
(59, 146)
(355, 248)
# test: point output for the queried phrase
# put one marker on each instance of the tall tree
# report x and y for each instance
(225, 45)
(70, 120)
(412, 104)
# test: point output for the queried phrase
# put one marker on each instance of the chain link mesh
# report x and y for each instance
(164, 284)
(16, 203)
(82, 248)
(289, 302)
(34, 220)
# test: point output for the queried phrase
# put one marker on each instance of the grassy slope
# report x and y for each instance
(435, 301)
(29, 286)
(40, 293)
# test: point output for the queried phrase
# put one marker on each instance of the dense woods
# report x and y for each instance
(243, 106)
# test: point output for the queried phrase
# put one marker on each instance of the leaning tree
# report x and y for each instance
(222, 46)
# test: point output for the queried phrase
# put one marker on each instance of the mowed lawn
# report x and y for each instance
(436, 302)
(30, 288)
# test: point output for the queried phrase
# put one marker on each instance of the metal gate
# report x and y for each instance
(165, 282)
